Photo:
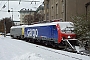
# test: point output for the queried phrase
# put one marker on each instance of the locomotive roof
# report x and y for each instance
(41, 24)
(63, 25)
(51, 23)
(21, 26)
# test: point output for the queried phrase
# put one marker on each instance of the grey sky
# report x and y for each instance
(16, 7)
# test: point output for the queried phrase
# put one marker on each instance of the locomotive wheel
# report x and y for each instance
(12, 36)
(54, 45)
(46, 43)
(29, 40)
(32, 40)
(22, 37)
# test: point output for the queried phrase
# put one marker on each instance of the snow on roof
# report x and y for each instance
(47, 24)
(41, 24)
(18, 26)
(63, 25)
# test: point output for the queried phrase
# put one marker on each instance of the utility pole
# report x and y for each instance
(12, 16)
(8, 6)
(4, 28)
(86, 5)
(45, 2)
(65, 11)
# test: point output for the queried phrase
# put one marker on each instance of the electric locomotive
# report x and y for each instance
(55, 33)
(17, 31)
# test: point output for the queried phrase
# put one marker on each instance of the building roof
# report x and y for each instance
(41, 7)
(23, 10)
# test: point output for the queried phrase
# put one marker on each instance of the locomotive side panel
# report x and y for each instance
(42, 32)
(55, 33)
(16, 32)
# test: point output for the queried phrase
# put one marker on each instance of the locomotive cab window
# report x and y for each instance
(68, 29)
(54, 27)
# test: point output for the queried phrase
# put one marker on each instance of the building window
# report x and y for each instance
(52, 11)
(61, 0)
(56, 10)
(47, 16)
(22, 15)
(47, 6)
(52, 17)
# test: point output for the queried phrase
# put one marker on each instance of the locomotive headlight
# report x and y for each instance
(69, 37)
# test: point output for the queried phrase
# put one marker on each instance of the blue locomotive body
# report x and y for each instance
(48, 32)
(53, 32)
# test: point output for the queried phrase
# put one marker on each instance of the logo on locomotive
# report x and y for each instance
(32, 33)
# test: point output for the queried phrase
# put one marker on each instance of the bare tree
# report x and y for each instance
(28, 19)
(38, 17)
(7, 22)
(82, 29)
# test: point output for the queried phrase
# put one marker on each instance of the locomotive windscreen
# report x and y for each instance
(67, 27)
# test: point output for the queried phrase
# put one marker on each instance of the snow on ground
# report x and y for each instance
(12, 49)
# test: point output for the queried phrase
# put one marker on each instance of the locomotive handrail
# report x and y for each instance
(70, 44)
(69, 39)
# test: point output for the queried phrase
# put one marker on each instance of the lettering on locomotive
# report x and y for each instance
(32, 33)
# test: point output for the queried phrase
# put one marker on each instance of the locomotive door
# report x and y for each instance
(54, 32)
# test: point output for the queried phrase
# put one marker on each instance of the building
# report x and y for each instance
(65, 9)
(23, 12)
(40, 11)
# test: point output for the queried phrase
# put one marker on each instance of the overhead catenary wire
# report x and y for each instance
(19, 3)
(7, 3)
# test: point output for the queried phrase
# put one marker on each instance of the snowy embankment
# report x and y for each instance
(12, 49)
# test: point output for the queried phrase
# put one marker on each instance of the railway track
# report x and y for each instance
(49, 46)
(59, 53)
(41, 44)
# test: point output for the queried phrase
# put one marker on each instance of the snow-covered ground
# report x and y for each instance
(12, 49)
